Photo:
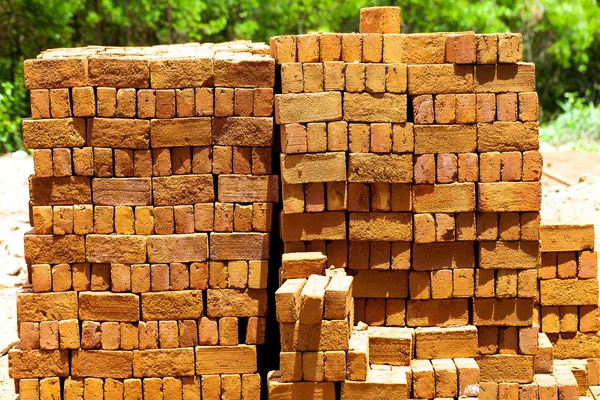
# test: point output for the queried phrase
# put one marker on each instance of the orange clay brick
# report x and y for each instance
(424, 169)
(468, 167)
(61, 162)
(352, 47)
(510, 48)
(512, 166)
(381, 197)
(355, 77)
(204, 217)
(184, 99)
(487, 49)
(223, 217)
(466, 108)
(566, 265)
(528, 106)
(447, 168)
(165, 103)
(314, 197)
(423, 112)
(184, 219)
(532, 165)
(485, 281)
(588, 319)
(42, 162)
(337, 136)
(106, 99)
(444, 228)
(204, 101)
(123, 159)
(81, 276)
(292, 80)
(142, 163)
(330, 47)
(126, 107)
(506, 106)
(61, 278)
(396, 80)
(445, 109)
(164, 223)
(223, 102)
(201, 160)
(263, 102)
(360, 138)
(317, 137)
(62, 220)
(489, 167)
(308, 48)
(334, 75)
(181, 160)
(242, 160)
(283, 48)
(509, 226)
(358, 197)
(60, 103)
(262, 161)
(587, 265)
(375, 78)
(486, 107)
(40, 103)
(465, 226)
(146, 103)
(103, 162)
(313, 77)
(381, 140)
(222, 160)
(461, 48)
(487, 226)
(42, 219)
(393, 46)
(84, 102)
(424, 228)
(372, 47)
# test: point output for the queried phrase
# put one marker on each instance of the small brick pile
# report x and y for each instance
(568, 305)
(152, 205)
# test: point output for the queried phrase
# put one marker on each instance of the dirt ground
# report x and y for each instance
(14, 200)
(562, 202)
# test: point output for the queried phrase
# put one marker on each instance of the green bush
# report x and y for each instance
(576, 127)
(12, 107)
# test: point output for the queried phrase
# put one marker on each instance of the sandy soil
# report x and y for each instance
(14, 200)
(579, 203)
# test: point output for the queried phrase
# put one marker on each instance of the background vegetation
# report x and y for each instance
(561, 37)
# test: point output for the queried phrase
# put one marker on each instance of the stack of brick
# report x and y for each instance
(315, 316)
(152, 205)
(568, 301)
(412, 160)
(410, 181)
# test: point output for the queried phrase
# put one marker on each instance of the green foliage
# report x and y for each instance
(576, 127)
(561, 37)
(12, 101)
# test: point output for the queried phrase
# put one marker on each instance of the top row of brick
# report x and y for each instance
(380, 40)
(235, 64)
(417, 48)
